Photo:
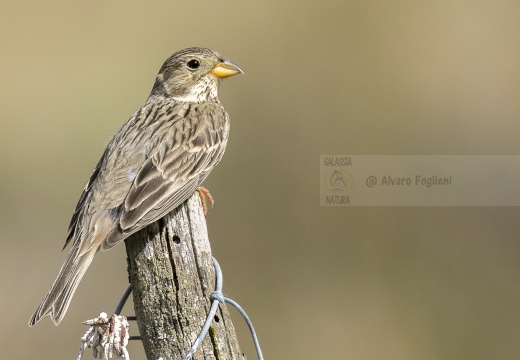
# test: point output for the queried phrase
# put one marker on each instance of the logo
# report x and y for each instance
(337, 181)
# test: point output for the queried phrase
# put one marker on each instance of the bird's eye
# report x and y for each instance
(193, 64)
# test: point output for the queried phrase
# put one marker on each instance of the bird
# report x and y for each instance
(156, 161)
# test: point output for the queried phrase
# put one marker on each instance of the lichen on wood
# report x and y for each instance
(172, 275)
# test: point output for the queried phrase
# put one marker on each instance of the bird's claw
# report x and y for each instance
(204, 193)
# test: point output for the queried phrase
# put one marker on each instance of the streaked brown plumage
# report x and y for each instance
(156, 161)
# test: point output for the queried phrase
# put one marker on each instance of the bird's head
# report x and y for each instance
(193, 75)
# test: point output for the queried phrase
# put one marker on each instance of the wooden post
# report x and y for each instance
(172, 275)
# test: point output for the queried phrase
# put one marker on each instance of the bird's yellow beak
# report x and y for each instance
(225, 68)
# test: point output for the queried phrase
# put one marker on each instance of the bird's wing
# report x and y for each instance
(76, 217)
(170, 176)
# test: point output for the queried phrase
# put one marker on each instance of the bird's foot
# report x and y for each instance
(204, 193)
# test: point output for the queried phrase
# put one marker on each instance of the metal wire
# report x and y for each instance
(250, 324)
(122, 302)
(216, 298)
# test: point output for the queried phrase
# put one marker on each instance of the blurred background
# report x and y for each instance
(321, 77)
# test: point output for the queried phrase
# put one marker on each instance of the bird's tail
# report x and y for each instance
(58, 299)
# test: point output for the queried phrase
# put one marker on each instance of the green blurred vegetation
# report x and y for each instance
(321, 77)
